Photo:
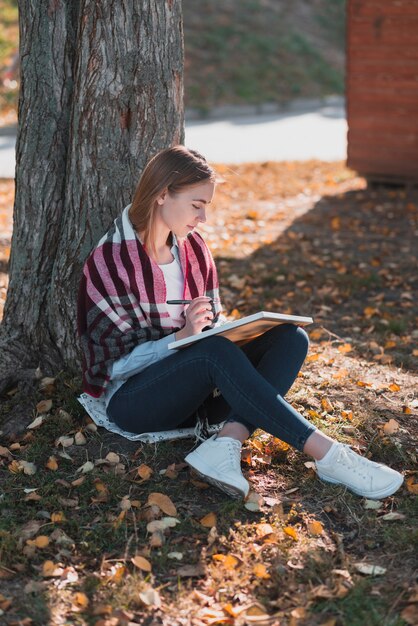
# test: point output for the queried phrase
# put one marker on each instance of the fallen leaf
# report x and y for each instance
(57, 517)
(391, 427)
(80, 439)
(345, 348)
(41, 541)
(86, 467)
(162, 524)
(228, 560)
(141, 563)
(392, 516)
(52, 464)
(315, 527)
(373, 504)
(369, 570)
(411, 485)
(28, 468)
(260, 571)
(175, 555)
(394, 387)
(410, 614)
(64, 441)
(80, 600)
(208, 520)
(289, 530)
(144, 471)
(15, 467)
(51, 569)
(44, 406)
(112, 458)
(150, 597)
(164, 502)
(36, 422)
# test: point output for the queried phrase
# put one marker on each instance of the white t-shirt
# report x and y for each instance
(174, 282)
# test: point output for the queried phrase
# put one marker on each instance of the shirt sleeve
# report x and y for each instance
(141, 357)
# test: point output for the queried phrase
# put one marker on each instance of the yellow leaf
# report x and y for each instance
(289, 530)
(346, 347)
(228, 560)
(348, 415)
(312, 357)
(209, 520)
(81, 600)
(315, 527)
(42, 541)
(391, 427)
(260, 571)
(141, 563)
(57, 517)
(164, 502)
(144, 471)
(15, 467)
(52, 464)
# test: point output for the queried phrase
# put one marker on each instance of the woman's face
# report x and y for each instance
(183, 211)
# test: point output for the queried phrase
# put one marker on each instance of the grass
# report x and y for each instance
(242, 51)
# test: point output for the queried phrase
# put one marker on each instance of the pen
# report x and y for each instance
(178, 301)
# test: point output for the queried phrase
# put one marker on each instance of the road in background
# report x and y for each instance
(301, 132)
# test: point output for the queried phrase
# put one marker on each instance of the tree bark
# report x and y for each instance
(101, 92)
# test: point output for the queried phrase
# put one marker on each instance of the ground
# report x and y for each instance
(77, 548)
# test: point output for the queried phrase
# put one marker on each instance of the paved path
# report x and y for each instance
(300, 133)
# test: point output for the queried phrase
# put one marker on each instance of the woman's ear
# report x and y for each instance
(162, 196)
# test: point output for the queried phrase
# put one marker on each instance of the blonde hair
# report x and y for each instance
(173, 169)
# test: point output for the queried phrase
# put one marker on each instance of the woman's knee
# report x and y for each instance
(295, 335)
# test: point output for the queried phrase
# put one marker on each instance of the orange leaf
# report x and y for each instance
(312, 357)
(411, 485)
(260, 571)
(52, 464)
(41, 541)
(394, 387)
(164, 502)
(346, 347)
(406, 410)
(209, 520)
(228, 560)
(81, 600)
(315, 528)
(326, 405)
(57, 517)
(144, 471)
(289, 530)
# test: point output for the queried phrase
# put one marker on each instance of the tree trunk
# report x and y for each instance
(101, 92)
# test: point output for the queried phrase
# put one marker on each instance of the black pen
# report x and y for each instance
(179, 301)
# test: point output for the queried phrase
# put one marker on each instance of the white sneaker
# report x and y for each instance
(343, 466)
(218, 461)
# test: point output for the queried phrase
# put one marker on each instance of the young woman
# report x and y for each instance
(152, 254)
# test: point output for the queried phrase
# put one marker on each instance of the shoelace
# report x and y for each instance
(350, 459)
(234, 448)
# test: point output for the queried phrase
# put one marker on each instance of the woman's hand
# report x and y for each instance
(198, 315)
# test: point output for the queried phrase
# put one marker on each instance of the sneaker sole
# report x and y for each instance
(232, 491)
(375, 495)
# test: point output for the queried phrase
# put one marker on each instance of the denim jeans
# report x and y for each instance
(251, 379)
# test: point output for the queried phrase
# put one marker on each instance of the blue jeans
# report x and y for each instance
(252, 381)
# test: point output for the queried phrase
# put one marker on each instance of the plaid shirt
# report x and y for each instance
(122, 297)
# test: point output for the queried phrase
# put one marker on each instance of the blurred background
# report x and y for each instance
(237, 52)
